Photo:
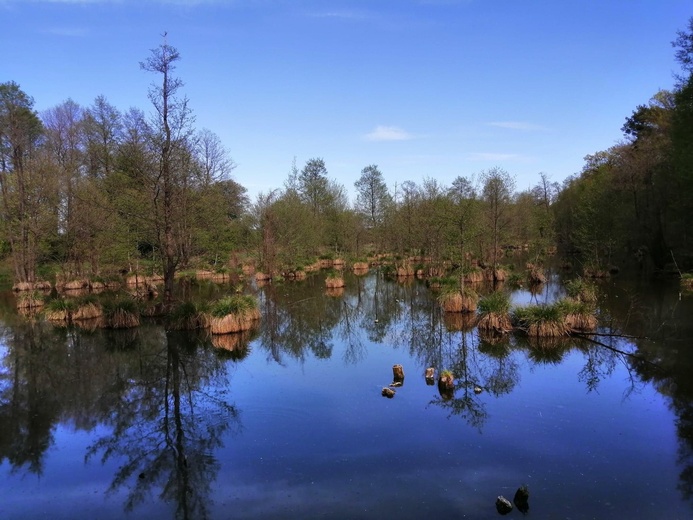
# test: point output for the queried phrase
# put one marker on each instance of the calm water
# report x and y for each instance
(289, 422)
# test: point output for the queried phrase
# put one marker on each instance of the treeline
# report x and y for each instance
(636, 198)
(90, 191)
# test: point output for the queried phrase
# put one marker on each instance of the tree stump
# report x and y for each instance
(446, 385)
(398, 373)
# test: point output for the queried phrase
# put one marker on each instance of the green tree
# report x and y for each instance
(497, 192)
(372, 201)
(313, 185)
(20, 185)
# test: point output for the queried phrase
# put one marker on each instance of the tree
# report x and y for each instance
(216, 165)
(464, 214)
(170, 181)
(103, 128)
(313, 185)
(497, 191)
(20, 132)
(372, 196)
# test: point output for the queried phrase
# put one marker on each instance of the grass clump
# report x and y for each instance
(233, 314)
(545, 321)
(334, 280)
(452, 299)
(582, 291)
(60, 309)
(122, 313)
(30, 300)
(236, 304)
(578, 316)
(494, 312)
(188, 316)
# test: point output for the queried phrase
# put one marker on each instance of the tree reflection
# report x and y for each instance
(166, 426)
(29, 400)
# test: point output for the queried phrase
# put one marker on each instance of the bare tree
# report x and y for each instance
(170, 141)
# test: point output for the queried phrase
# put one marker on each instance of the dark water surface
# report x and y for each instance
(289, 422)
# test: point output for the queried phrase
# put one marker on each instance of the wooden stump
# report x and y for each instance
(398, 373)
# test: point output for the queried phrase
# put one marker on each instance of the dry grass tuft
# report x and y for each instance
(87, 311)
(492, 322)
(237, 322)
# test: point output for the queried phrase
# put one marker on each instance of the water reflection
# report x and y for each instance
(161, 395)
(30, 395)
(166, 426)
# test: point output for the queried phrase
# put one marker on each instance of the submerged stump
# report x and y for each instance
(398, 373)
(446, 385)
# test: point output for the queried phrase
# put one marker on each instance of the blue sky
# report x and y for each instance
(422, 88)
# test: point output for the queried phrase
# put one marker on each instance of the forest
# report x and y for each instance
(94, 192)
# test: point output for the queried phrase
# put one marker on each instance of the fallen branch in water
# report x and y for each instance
(586, 336)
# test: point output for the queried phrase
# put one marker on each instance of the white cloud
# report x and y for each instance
(388, 133)
(516, 125)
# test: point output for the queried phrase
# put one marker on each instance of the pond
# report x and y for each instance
(289, 421)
